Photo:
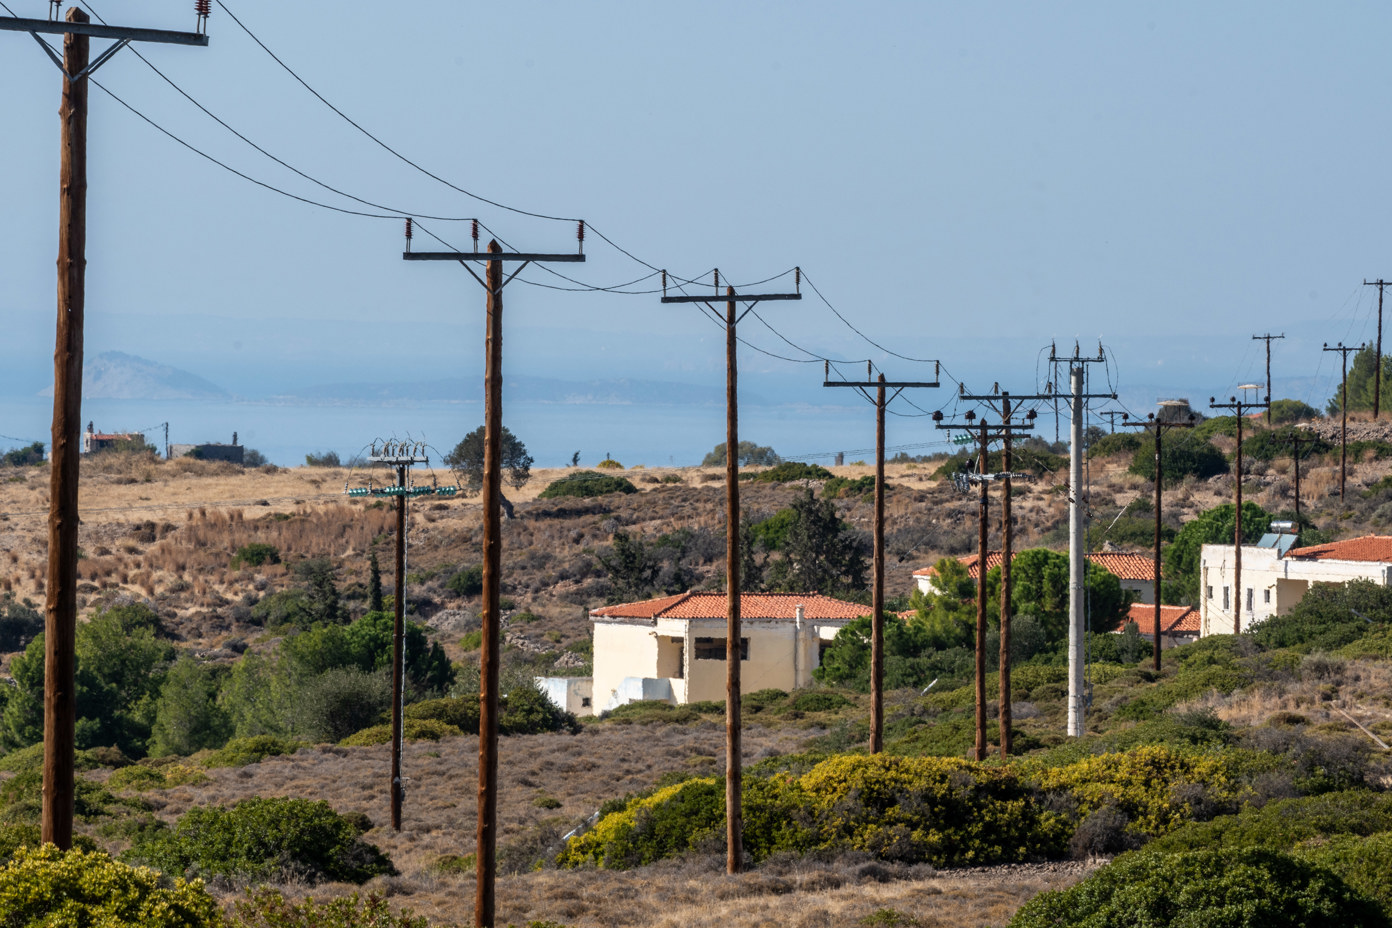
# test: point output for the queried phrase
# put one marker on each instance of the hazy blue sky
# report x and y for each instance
(964, 181)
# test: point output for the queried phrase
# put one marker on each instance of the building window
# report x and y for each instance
(1210, 591)
(713, 649)
(1227, 598)
(584, 702)
(1250, 598)
(1266, 596)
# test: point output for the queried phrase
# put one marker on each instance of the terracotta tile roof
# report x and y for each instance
(753, 606)
(1125, 566)
(1174, 620)
(1375, 548)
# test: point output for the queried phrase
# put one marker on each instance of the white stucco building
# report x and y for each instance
(673, 648)
(1275, 576)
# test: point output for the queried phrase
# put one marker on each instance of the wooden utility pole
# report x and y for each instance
(490, 652)
(1112, 416)
(1344, 352)
(1268, 337)
(1158, 427)
(400, 455)
(986, 433)
(1377, 358)
(734, 762)
(881, 400)
(1296, 442)
(60, 605)
(1240, 410)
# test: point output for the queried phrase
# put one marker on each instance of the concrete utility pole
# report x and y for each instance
(1158, 427)
(1377, 368)
(400, 455)
(489, 654)
(1344, 352)
(1077, 529)
(734, 762)
(60, 607)
(986, 433)
(877, 589)
(1240, 409)
(1268, 338)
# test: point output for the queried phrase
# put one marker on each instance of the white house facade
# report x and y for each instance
(673, 649)
(1273, 582)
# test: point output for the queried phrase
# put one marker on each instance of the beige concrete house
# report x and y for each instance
(673, 649)
(1135, 571)
(1275, 576)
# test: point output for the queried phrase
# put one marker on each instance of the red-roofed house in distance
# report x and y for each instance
(1276, 575)
(673, 649)
(1135, 571)
(1178, 624)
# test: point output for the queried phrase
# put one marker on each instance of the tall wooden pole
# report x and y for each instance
(492, 577)
(1377, 358)
(877, 596)
(980, 751)
(1159, 479)
(734, 763)
(398, 650)
(1007, 553)
(60, 606)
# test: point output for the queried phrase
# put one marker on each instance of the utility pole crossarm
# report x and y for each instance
(96, 31)
(888, 384)
(737, 297)
(488, 256)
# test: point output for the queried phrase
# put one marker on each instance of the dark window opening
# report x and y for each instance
(713, 649)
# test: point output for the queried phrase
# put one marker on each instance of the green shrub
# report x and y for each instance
(1188, 457)
(242, 751)
(610, 464)
(14, 837)
(648, 712)
(269, 909)
(31, 758)
(586, 483)
(845, 488)
(254, 555)
(48, 888)
(140, 777)
(1116, 443)
(819, 701)
(467, 582)
(1288, 823)
(412, 730)
(265, 840)
(1244, 888)
(21, 799)
(462, 712)
(1364, 863)
(794, 470)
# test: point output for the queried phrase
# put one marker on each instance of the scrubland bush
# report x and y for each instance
(412, 730)
(1227, 887)
(242, 751)
(48, 887)
(264, 840)
(269, 909)
(586, 483)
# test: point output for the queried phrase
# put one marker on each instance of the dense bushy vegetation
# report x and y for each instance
(586, 483)
(1180, 457)
(749, 454)
(264, 840)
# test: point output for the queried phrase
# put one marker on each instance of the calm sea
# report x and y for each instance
(655, 436)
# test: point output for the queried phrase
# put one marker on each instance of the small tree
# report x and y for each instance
(749, 454)
(1215, 526)
(821, 552)
(187, 716)
(467, 459)
(374, 584)
(320, 459)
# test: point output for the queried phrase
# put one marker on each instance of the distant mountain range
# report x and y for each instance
(520, 388)
(115, 375)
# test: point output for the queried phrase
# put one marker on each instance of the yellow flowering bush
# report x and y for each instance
(611, 843)
(1148, 784)
(49, 888)
(946, 811)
